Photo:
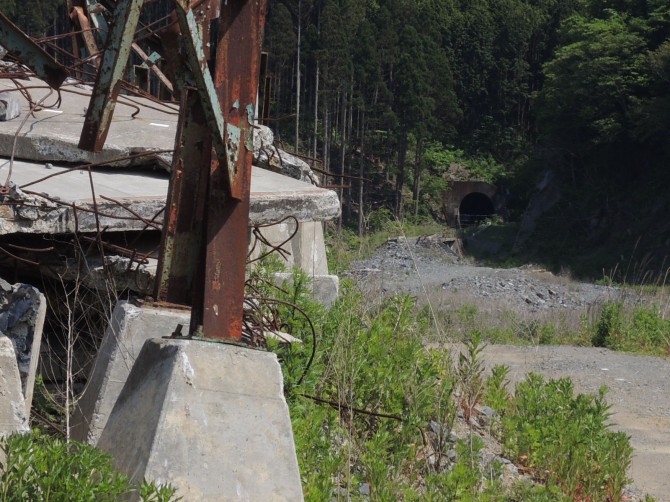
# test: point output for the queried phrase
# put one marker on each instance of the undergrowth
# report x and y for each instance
(374, 417)
(35, 466)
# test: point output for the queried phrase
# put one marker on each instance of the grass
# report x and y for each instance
(375, 415)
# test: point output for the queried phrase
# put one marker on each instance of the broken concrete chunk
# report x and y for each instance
(10, 108)
(22, 313)
(268, 156)
(13, 416)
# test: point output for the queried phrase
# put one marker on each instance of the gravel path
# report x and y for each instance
(639, 386)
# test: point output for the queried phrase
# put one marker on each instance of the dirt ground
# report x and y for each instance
(639, 386)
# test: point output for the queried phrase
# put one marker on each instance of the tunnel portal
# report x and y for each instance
(475, 208)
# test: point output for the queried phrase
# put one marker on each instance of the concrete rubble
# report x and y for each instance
(13, 416)
(22, 313)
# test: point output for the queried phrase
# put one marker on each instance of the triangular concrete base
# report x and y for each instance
(209, 418)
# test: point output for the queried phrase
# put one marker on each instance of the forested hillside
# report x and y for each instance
(393, 92)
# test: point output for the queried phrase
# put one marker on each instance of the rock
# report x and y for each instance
(10, 108)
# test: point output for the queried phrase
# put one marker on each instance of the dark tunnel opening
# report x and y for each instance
(475, 208)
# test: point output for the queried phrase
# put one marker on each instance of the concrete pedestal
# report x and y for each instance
(129, 328)
(207, 417)
(13, 416)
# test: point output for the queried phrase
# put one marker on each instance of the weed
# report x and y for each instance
(38, 467)
(640, 329)
(496, 394)
(564, 439)
(470, 381)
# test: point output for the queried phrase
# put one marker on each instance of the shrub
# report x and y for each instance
(564, 440)
(39, 467)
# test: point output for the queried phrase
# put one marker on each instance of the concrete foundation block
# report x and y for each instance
(13, 417)
(325, 288)
(209, 418)
(309, 248)
(129, 328)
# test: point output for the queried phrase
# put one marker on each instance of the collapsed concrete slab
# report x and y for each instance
(207, 417)
(13, 416)
(51, 133)
(125, 200)
(129, 328)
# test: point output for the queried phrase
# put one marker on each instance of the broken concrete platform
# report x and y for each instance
(122, 195)
(13, 416)
(51, 133)
(209, 418)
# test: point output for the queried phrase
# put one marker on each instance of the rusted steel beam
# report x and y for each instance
(225, 137)
(78, 17)
(237, 67)
(180, 263)
(180, 268)
(152, 66)
(23, 48)
(108, 82)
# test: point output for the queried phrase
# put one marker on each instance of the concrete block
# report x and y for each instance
(275, 235)
(325, 288)
(13, 417)
(309, 248)
(208, 417)
(129, 328)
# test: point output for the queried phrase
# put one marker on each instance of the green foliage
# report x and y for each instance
(565, 441)
(38, 467)
(641, 329)
(376, 410)
(34, 17)
(469, 373)
(496, 394)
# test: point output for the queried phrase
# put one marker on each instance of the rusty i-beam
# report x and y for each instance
(203, 254)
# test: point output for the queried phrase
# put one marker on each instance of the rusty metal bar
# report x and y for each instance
(78, 17)
(108, 83)
(23, 48)
(180, 262)
(237, 66)
(152, 66)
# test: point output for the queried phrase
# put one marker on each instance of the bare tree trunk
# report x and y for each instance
(316, 109)
(400, 179)
(297, 80)
(326, 145)
(417, 174)
(343, 142)
(361, 183)
(350, 138)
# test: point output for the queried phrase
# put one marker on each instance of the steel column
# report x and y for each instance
(237, 68)
(108, 82)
